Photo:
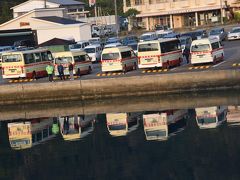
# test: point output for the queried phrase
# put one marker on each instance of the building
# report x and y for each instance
(72, 9)
(48, 24)
(179, 13)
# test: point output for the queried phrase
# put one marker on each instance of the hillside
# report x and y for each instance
(107, 7)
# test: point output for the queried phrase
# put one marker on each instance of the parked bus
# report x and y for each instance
(233, 116)
(26, 134)
(162, 53)
(206, 51)
(80, 59)
(162, 125)
(211, 117)
(4, 49)
(76, 127)
(120, 124)
(26, 64)
(118, 59)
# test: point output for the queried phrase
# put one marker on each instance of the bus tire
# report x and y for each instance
(34, 75)
(89, 69)
(167, 65)
(78, 72)
(135, 66)
(214, 60)
(124, 69)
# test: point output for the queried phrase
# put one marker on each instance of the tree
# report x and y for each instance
(131, 12)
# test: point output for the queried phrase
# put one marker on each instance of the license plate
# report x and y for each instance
(149, 60)
(200, 56)
(12, 70)
(110, 64)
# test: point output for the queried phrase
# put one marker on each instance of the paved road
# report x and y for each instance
(232, 58)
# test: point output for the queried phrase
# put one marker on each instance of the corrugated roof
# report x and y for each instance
(66, 2)
(59, 20)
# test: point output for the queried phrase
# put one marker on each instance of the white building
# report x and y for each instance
(48, 24)
(73, 9)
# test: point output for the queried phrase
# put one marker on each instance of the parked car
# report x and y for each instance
(218, 33)
(134, 47)
(113, 40)
(185, 42)
(191, 34)
(172, 35)
(129, 39)
(161, 34)
(201, 34)
(161, 27)
(234, 33)
(94, 52)
(149, 36)
(111, 45)
(79, 46)
(23, 44)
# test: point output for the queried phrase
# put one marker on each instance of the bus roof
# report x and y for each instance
(205, 41)
(116, 49)
(27, 51)
(69, 53)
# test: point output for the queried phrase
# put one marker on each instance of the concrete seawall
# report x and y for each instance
(117, 87)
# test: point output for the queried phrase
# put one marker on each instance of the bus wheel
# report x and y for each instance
(135, 66)
(125, 69)
(34, 75)
(78, 72)
(215, 60)
(89, 69)
(167, 66)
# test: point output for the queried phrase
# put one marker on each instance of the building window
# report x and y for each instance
(128, 3)
(72, 10)
(160, 1)
(138, 2)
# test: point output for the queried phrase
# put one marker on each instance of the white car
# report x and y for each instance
(113, 45)
(94, 52)
(234, 33)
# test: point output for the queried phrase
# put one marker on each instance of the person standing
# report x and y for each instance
(50, 70)
(70, 69)
(61, 71)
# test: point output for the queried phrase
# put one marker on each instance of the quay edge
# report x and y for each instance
(118, 87)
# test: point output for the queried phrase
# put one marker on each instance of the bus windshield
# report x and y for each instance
(11, 58)
(156, 133)
(206, 120)
(117, 127)
(148, 47)
(200, 48)
(63, 60)
(110, 56)
(90, 50)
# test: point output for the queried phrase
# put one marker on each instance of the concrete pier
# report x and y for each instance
(118, 87)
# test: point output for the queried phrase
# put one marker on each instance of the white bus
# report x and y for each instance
(4, 49)
(120, 124)
(76, 127)
(26, 64)
(211, 117)
(162, 125)
(160, 53)
(206, 51)
(23, 135)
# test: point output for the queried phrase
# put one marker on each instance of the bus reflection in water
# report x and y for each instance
(25, 134)
(211, 117)
(120, 124)
(76, 127)
(233, 116)
(162, 125)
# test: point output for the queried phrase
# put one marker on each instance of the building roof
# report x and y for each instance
(59, 20)
(66, 2)
(56, 41)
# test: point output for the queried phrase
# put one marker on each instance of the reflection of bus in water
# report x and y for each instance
(161, 125)
(76, 127)
(211, 117)
(26, 134)
(120, 124)
(233, 116)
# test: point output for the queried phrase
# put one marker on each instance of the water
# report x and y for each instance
(199, 142)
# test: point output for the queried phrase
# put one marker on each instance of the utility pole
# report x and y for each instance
(116, 16)
(221, 5)
(45, 4)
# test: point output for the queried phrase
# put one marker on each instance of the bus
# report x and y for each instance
(206, 51)
(4, 49)
(26, 64)
(118, 59)
(80, 59)
(163, 53)
(120, 124)
(76, 127)
(211, 117)
(26, 134)
(160, 126)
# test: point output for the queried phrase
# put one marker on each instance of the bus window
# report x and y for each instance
(148, 47)
(200, 48)
(50, 57)
(170, 46)
(126, 54)
(12, 58)
(45, 133)
(37, 57)
(28, 58)
(80, 58)
(215, 45)
(110, 56)
(63, 60)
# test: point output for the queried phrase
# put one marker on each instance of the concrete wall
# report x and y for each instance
(117, 87)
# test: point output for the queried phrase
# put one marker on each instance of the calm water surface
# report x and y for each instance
(188, 144)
